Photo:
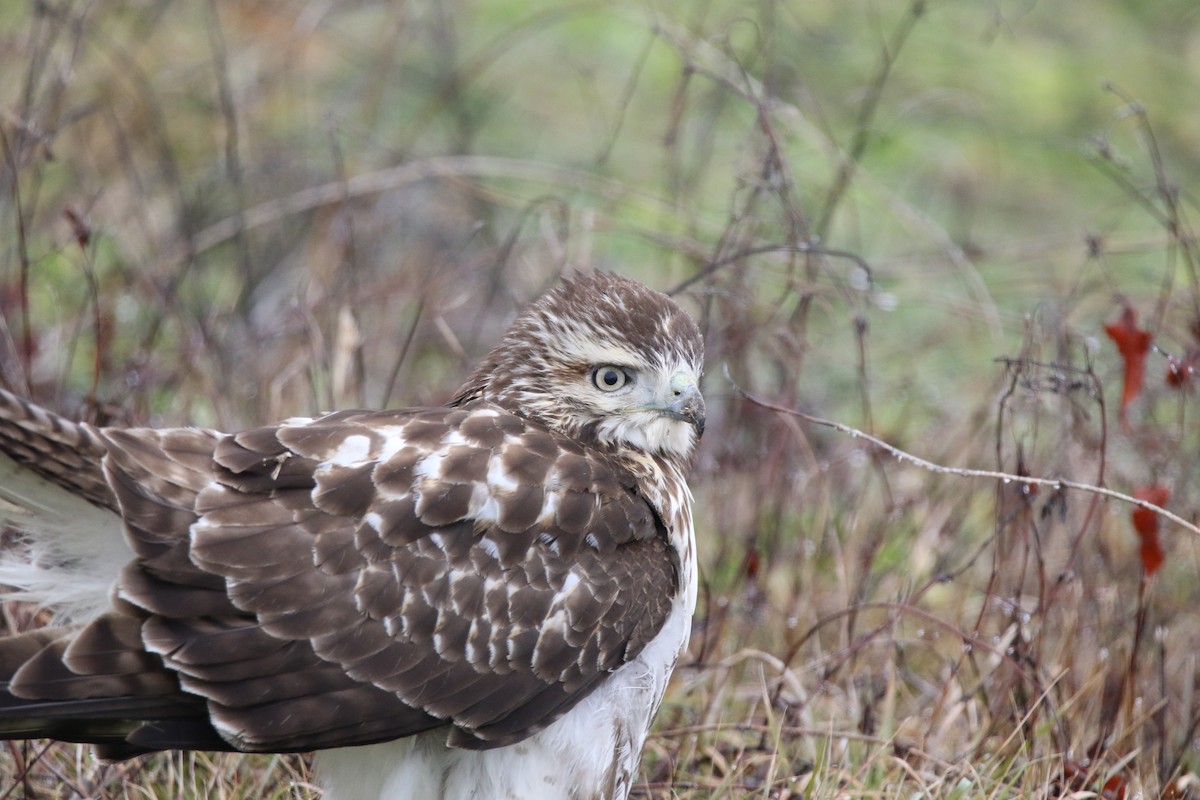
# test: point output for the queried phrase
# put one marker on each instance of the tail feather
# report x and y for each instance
(91, 679)
(98, 686)
(121, 727)
(65, 453)
(17, 649)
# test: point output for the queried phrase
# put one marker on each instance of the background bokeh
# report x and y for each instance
(914, 218)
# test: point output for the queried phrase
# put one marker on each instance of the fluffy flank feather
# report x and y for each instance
(68, 552)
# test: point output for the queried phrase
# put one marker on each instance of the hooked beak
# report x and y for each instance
(686, 404)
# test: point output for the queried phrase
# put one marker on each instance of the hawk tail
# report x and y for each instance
(147, 713)
(64, 453)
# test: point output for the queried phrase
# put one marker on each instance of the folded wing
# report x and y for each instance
(351, 579)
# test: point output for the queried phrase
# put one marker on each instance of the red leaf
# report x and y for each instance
(1182, 371)
(1114, 788)
(1133, 344)
(1182, 787)
(1145, 522)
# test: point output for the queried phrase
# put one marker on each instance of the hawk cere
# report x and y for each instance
(479, 600)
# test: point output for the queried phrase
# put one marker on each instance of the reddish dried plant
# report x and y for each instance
(1145, 522)
(1132, 343)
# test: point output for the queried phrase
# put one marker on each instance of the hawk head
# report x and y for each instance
(605, 360)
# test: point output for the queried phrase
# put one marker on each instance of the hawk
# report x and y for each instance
(481, 600)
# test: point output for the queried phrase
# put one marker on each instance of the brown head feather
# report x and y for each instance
(581, 324)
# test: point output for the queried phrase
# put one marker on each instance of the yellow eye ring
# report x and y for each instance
(609, 378)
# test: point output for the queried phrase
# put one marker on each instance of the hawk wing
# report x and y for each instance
(350, 579)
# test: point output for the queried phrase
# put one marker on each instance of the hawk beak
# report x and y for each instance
(686, 403)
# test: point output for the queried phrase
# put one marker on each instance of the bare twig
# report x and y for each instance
(1007, 477)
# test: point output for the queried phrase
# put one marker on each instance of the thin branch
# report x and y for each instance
(1007, 477)
(397, 177)
(800, 247)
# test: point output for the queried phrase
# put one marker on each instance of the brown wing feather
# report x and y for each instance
(65, 453)
(365, 576)
(427, 563)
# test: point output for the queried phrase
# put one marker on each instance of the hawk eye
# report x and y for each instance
(609, 378)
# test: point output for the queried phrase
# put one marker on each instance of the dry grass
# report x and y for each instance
(226, 213)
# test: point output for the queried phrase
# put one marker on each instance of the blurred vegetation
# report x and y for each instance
(915, 218)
